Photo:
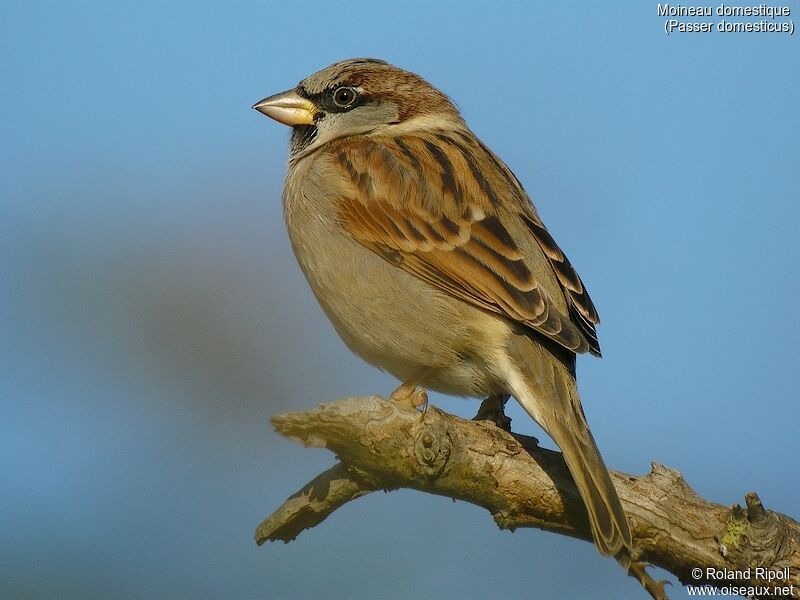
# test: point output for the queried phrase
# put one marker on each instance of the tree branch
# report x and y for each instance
(382, 445)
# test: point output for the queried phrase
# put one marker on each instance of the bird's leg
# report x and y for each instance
(409, 395)
(636, 569)
(492, 409)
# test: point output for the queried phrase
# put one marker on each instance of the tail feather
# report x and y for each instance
(548, 393)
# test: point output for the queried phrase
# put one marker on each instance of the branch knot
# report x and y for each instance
(432, 447)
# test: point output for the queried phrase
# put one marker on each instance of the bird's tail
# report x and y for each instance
(550, 396)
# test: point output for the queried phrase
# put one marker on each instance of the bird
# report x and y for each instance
(430, 260)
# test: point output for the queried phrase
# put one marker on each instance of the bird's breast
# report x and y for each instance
(383, 314)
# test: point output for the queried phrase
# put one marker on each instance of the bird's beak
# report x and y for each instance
(288, 108)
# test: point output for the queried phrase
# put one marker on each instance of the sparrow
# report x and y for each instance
(431, 262)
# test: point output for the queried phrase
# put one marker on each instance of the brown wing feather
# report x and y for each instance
(581, 308)
(459, 243)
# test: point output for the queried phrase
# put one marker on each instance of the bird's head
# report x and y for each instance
(357, 96)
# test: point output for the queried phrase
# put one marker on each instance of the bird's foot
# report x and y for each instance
(636, 569)
(493, 409)
(410, 396)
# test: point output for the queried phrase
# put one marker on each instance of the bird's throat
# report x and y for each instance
(302, 137)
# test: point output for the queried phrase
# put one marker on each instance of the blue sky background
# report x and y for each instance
(152, 316)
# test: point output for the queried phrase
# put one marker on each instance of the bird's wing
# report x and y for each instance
(442, 207)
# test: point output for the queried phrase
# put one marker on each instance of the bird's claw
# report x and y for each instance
(410, 396)
(636, 569)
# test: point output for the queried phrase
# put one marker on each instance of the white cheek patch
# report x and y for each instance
(423, 123)
(360, 120)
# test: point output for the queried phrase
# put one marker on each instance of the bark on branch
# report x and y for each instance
(382, 445)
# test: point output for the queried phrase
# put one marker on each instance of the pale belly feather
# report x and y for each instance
(388, 317)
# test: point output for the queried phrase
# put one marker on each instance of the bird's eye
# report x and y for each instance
(344, 97)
